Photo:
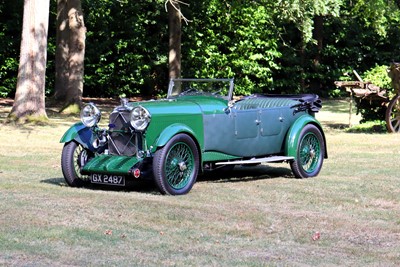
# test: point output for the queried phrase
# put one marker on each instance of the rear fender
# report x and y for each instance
(81, 134)
(293, 135)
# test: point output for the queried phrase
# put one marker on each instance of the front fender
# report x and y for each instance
(172, 130)
(81, 134)
(292, 137)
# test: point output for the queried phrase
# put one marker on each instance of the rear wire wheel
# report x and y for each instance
(310, 153)
(74, 156)
(393, 115)
(176, 165)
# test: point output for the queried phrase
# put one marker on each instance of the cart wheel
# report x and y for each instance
(393, 115)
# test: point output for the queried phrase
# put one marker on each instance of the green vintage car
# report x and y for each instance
(198, 127)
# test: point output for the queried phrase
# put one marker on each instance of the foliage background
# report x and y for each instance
(267, 46)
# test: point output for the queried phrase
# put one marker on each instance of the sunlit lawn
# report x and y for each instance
(347, 216)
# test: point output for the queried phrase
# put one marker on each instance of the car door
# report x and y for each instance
(246, 132)
(247, 124)
(258, 131)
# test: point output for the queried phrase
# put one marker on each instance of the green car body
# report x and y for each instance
(188, 133)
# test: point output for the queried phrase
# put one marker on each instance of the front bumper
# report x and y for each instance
(111, 164)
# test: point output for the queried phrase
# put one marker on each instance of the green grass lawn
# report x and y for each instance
(261, 216)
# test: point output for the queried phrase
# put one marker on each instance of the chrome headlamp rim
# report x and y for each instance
(140, 118)
(90, 115)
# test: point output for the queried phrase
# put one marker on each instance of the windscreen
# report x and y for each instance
(191, 87)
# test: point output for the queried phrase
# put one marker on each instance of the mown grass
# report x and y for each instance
(349, 215)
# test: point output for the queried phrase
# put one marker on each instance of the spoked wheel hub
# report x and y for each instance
(308, 156)
(182, 166)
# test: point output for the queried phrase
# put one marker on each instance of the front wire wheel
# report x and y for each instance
(175, 166)
(393, 115)
(310, 153)
(74, 157)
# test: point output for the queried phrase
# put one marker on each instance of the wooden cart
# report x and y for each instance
(371, 92)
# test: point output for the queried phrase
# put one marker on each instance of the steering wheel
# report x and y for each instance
(189, 90)
(217, 92)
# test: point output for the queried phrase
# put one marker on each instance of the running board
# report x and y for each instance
(256, 160)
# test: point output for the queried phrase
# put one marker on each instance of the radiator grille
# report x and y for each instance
(122, 140)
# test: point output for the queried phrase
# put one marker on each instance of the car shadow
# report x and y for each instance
(238, 174)
(246, 174)
(143, 186)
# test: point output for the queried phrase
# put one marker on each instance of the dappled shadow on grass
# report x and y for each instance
(365, 128)
(335, 126)
(372, 127)
(337, 105)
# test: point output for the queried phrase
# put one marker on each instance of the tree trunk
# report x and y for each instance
(70, 55)
(319, 37)
(62, 52)
(29, 103)
(302, 63)
(175, 26)
(76, 52)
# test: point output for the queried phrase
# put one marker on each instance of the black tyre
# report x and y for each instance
(393, 115)
(74, 157)
(176, 165)
(310, 153)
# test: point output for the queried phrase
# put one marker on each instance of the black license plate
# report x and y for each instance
(107, 179)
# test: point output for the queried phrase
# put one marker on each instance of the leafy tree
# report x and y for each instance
(127, 47)
(349, 41)
(10, 41)
(231, 39)
(267, 46)
(354, 44)
(377, 14)
(29, 103)
(307, 17)
(303, 13)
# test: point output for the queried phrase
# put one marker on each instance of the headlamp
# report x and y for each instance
(140, 118)
(90, 115)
